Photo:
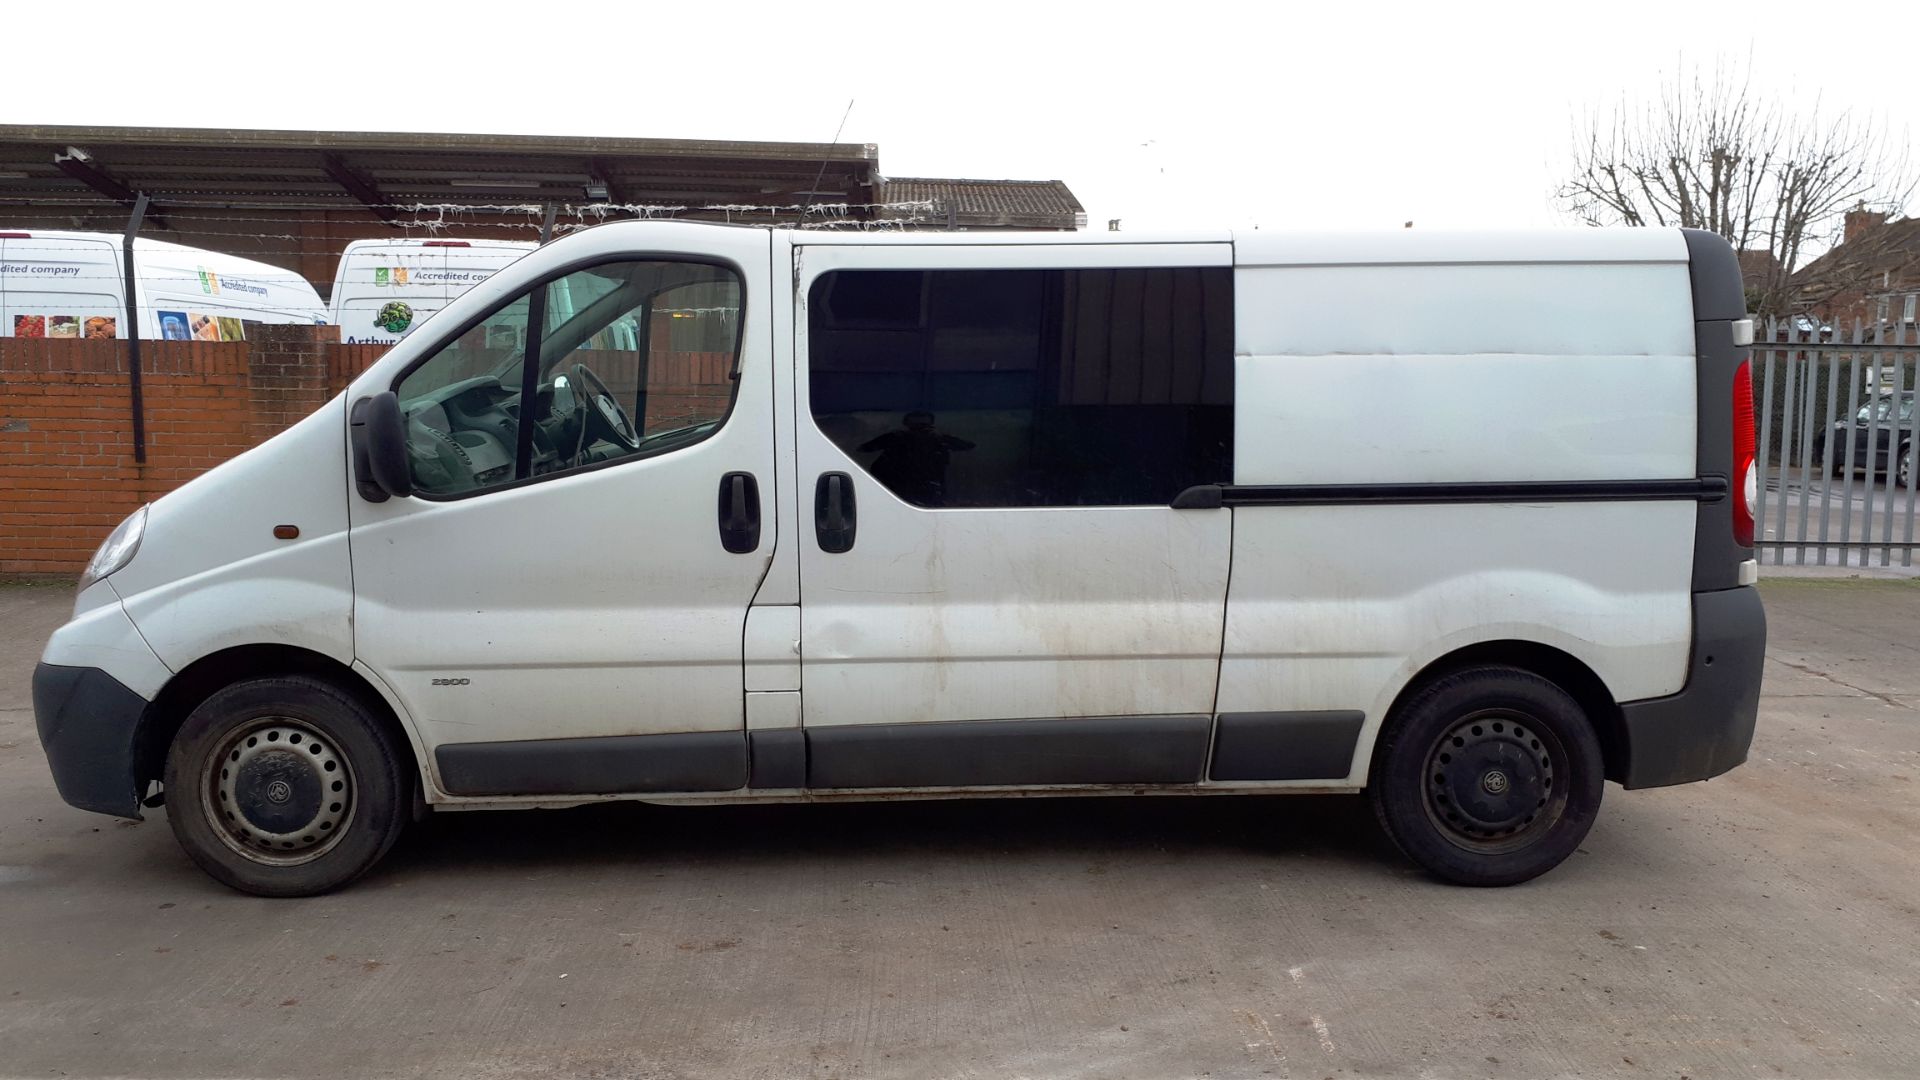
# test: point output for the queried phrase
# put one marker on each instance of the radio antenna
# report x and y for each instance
(823, 161)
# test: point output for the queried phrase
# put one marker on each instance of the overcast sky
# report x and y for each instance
(1186, 113)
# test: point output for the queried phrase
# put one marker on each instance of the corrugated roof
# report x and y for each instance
(957, 203)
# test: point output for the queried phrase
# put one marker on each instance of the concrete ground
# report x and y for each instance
(1763, 925)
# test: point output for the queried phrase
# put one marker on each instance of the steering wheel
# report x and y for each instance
(604, 414)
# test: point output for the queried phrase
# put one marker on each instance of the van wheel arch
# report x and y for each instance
(214, 672)
(1556, 666)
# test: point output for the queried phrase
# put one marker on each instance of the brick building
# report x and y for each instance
(1872, 276)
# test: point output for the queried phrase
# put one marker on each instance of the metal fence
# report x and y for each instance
(1838, 428)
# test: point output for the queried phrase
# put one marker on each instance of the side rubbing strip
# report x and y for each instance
(1209, 496)
(982, 753)
(1285, 745)
(609, 765)
(779, 758)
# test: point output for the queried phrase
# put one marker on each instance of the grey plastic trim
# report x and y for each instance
(1285, 745)
(602, 765)
(778, 759)
(1707, 727)
(89, 726)
(993, 753)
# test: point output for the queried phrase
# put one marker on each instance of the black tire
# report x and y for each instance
(1487, 776)
(285, 786)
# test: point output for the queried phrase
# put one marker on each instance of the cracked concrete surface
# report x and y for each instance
(1764, 924)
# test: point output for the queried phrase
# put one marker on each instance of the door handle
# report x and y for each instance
(834, 514)
(739, 512)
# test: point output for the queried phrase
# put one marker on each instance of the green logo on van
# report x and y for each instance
(394, 316)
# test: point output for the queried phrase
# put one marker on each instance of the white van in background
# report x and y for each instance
(385, 288)
(73, 284)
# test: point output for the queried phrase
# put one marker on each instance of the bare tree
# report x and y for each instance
(1711, 152)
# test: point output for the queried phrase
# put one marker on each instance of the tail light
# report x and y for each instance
(444, 243)
(1746, 479)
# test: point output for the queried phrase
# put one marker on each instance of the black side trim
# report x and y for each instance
(974, 753)
(602, 765)
(779, 758)
(1206, 496)
(89, 726)
(1285, 745)
(1706, 728)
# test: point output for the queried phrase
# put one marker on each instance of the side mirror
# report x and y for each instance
(379, 437)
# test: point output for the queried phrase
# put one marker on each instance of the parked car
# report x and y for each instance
(1881, 436)
(918, 515)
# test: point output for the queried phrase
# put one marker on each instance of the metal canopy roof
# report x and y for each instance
(387, 173)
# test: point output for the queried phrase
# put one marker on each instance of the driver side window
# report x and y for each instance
(617, 361)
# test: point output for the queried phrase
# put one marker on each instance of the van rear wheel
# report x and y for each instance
(285, 786)
(1488, 776)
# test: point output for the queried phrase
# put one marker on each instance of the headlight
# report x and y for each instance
(118, 549)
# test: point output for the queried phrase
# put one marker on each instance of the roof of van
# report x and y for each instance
(451, 245)
(150, 245)
(1359, 247)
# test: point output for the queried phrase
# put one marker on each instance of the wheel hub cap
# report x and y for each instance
(1490, 777)
(280, 792)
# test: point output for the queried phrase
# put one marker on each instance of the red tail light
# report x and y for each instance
(16, 236)
(444, 243)
(1746, 479)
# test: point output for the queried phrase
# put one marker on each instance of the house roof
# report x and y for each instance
(1007, 204)
(1891, 249)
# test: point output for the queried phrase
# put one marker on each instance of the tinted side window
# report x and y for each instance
(1002, 388)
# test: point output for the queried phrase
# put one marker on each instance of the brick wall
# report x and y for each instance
(67, 473)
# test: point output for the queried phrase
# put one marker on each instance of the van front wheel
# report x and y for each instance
(1487, 776)
(285, 786)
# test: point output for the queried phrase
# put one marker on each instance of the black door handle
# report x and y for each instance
(739, 512)
(834, 515)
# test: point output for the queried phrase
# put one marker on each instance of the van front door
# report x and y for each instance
(995, 588)
(560, 604)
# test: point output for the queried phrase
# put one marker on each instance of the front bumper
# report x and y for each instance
(90, 728)
(1707, 727)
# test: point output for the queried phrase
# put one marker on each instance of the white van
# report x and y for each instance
(382, 289)
(73, 285)
(1461, 521)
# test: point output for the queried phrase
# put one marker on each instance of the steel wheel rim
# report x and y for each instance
(1495, 782)
(278, 792)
